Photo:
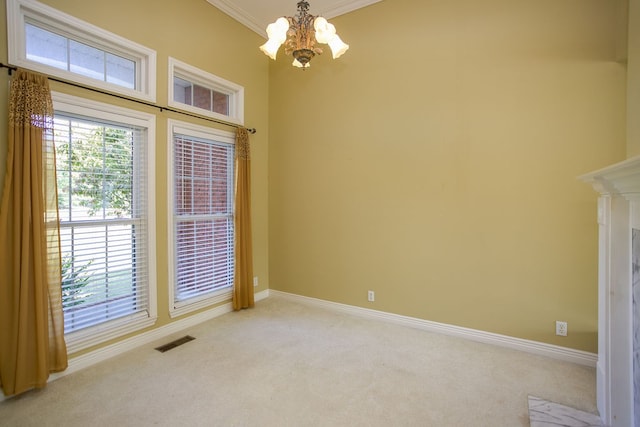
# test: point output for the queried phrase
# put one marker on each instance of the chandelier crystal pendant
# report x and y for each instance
(300, 34)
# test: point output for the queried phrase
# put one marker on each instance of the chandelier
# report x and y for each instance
(300, 34)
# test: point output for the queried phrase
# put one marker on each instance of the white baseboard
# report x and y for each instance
(534, 347)
(548, 350)
(104, 353)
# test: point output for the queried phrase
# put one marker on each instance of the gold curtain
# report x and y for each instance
(243, 280)
(31, 320)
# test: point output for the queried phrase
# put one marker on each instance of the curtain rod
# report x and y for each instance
(11, 68)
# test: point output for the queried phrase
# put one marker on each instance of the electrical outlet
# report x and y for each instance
(561, 328)
(371, 296)
(255, 280)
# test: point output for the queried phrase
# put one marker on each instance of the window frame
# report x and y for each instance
(90, 336)
(218, 296)
(20, 12)
(209, 81)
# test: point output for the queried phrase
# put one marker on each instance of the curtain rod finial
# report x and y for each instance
(9, 68)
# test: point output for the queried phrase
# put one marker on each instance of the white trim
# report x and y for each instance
(89, 359)
(182, 308)
(203, 132)
(618, 186)
(94, 335)
(210, 81)
(534, 347)
(248, 20)
(76, 105)
(240, 15)
(346, 6)
(76, 29)
(619, 179)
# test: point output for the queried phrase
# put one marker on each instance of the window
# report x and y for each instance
(186, 92)
(61, 52)
(105, 202)
(201, 164)
(197, 91)
(47, 40)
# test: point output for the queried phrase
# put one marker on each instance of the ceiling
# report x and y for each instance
(257, 14)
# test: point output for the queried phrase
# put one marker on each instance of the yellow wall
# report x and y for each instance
(633, 80)
(436, 161)
(194, 32)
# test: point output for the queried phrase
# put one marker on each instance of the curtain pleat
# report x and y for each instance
(243, 278)
(31, 319)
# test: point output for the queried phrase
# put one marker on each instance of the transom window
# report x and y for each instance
(189, 93)
(203, 93)
(44, 39)
(46, 47)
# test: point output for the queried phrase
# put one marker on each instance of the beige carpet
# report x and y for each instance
(287, 364)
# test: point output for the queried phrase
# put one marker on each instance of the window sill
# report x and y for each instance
(98, 334)
(185, 307)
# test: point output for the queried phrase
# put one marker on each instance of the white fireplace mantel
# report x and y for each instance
(618, 380)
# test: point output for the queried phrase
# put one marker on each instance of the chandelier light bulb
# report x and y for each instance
(277, 33)
(270, 48)
(338, 47)
(324, 30)
(279, 29)
(297, 63)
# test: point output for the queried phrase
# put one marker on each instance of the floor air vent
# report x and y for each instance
(174, 344)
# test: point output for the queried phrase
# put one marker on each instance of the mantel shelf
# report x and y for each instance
(619, 179)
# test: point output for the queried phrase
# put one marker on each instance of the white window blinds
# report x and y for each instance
(101, 170)
(203, 217)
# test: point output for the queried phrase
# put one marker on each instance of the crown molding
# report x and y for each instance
(240, 14)
(345, 6)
